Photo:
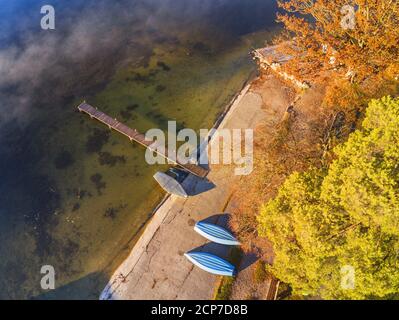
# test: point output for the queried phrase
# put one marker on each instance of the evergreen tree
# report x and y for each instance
(324, 224)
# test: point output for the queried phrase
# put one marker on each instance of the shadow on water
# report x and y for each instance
(77, 290)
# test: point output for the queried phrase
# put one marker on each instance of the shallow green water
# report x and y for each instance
(74, 194)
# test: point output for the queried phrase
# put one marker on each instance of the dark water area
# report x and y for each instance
(73, 194)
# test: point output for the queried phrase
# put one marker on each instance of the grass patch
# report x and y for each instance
(260, 274)
(224, 286)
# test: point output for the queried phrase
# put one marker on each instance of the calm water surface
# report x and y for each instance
(73, 194)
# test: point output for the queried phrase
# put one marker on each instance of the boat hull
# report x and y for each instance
(170, 185)
(216, 234)
(211, 263)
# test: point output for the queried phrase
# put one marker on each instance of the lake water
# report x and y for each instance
(73, 194)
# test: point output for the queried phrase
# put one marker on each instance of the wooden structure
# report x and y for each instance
(271, 57)
(138, 137)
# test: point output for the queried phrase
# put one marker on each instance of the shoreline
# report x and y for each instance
(162, 209)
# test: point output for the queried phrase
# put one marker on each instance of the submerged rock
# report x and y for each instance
(111, 213)
(126, 114)
(97, 140)
(160, 88)
(106, 158)
(97, 180)
(63, 160)
(132, 107)
(163, 66)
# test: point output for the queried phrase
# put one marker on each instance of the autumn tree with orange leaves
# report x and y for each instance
(356, 39)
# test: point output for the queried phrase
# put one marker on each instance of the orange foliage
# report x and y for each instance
(322, 36)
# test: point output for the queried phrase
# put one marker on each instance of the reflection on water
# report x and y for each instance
(73, 194)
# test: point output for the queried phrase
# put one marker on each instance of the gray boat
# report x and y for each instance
(170, 185)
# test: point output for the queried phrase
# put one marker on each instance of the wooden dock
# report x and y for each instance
(273, 58)
(138, 137)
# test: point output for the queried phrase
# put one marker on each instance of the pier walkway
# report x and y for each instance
(138, 137)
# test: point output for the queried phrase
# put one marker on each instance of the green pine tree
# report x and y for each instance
(324, 225)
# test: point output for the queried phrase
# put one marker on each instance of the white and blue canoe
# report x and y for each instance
(216, 234)
(211, 263)
(170, 185)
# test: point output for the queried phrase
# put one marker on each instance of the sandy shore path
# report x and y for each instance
(156, 267)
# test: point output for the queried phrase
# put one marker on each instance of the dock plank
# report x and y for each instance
(135, 135)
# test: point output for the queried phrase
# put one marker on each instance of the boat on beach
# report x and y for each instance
(170, 184)
(178, 174)
(216, 233)
(211, 263)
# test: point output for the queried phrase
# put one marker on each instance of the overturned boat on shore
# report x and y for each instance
(170, 185)
(211, 263)
(216, 233)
